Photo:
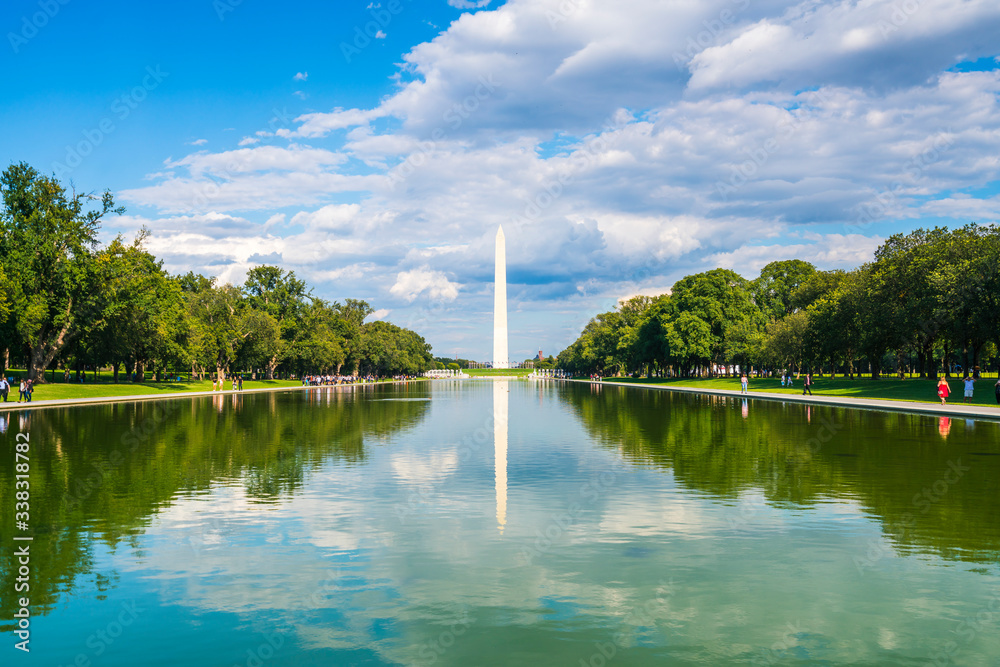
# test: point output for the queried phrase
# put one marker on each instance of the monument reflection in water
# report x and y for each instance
(416, 525)
(500, 416)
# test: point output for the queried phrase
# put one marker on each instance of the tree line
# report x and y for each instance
(68, 301)
(929, 301)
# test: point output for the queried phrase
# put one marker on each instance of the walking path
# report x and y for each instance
(949, 409)
(65, 402)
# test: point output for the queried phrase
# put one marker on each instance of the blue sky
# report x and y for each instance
(622, 144)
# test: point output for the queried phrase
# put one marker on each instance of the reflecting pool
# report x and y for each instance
(485, 522)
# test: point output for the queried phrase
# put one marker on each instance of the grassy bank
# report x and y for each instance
(487, 372)
(68, 390)
(924, 391)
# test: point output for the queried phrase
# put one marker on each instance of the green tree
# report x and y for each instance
(138, 317)
(773, 291)
(282, 297)
(690, 339)
(47, 246)
(721, 299)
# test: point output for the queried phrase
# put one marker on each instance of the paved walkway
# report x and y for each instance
(65, 402)
(949, 409)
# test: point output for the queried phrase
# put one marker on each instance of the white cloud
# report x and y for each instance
(321, 124)
(264, 158)
(620, 149)
(411, 284)
(301, 76)
(198, 142)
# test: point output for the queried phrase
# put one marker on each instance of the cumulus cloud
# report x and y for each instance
(301, 76)
(619, 149)
(411, 284)
(469, 4)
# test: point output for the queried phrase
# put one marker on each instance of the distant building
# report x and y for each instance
(541, 357)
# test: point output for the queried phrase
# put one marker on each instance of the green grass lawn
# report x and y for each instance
(486, 372)
(66, 390)
(886, 388)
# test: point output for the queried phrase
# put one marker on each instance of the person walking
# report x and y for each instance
(943, 390)
(744, 384)
(970, 387)
(996, 390)
(20, 390)
(4, 388)
(807, 384)
(29, 389)
(241, 381)
(783, 378)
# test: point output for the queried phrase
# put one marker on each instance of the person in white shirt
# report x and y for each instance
(4, 388)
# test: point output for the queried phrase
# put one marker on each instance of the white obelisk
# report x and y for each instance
(500, 359)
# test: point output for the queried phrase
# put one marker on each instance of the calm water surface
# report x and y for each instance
(503, 523)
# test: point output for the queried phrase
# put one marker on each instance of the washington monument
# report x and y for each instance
(500, 359)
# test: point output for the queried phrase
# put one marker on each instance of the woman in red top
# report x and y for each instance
(943, 390)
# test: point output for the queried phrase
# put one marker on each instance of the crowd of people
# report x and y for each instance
(24, 389)
(237, 381)
(329, 380)
(969, 386)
